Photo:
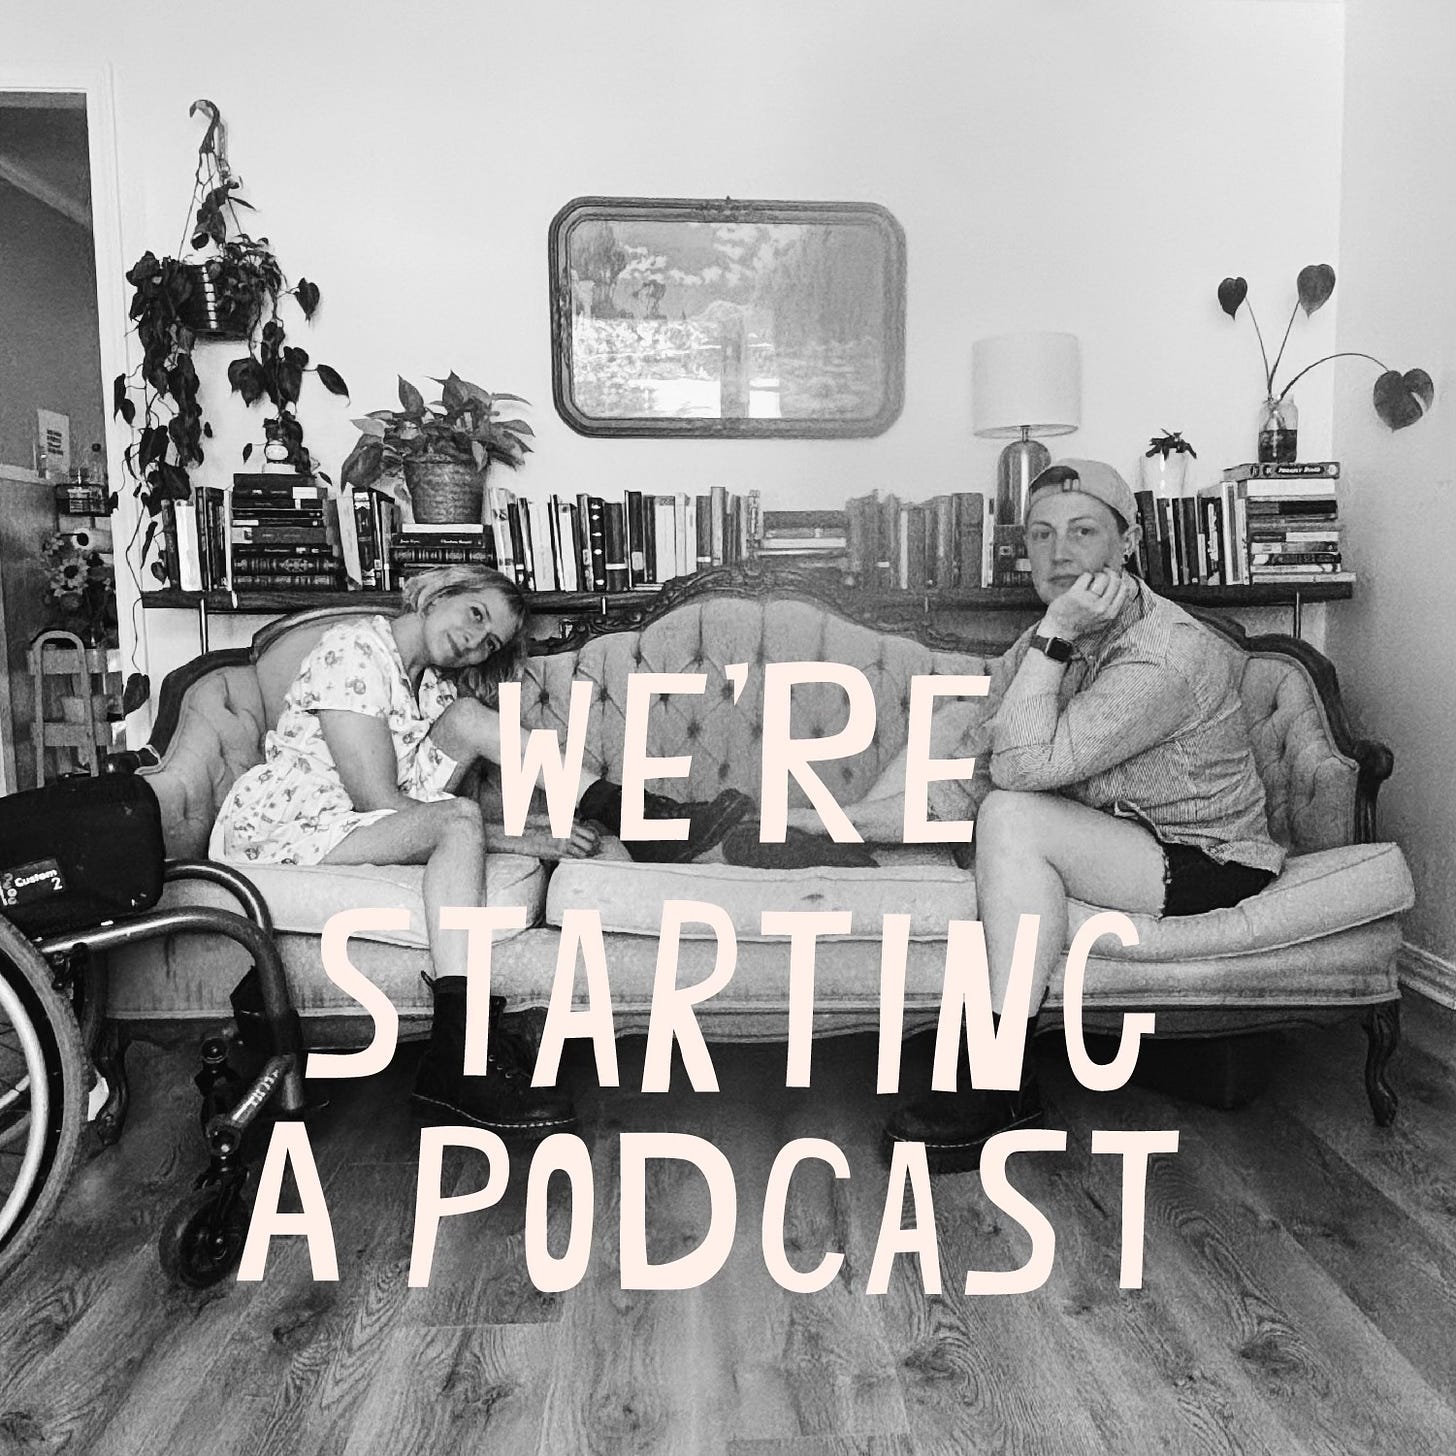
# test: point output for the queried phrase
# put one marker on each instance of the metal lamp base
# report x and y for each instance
(1019, 464)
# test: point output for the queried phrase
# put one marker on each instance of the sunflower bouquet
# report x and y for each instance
(79, 577)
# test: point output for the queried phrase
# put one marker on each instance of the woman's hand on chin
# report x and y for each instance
(1092, 601)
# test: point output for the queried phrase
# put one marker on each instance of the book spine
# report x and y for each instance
(665, 538)
(718, 524)
(889, 544)
(1150, 554)
(597, 541)
(262, 581)
(618, 573)
(1011, 565)
(282, 535)
(1284, 470)
(581, 523)
(703, 531)
(636, 548)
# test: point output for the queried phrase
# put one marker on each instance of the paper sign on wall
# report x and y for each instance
(53, 438)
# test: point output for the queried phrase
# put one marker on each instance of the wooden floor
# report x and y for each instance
(1300, 1288)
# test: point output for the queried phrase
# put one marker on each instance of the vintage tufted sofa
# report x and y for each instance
(1318, 943)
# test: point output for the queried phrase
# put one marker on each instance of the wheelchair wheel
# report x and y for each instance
(203, 1237)
(42, 1095)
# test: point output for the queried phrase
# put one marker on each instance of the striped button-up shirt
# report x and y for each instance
(1147, 722)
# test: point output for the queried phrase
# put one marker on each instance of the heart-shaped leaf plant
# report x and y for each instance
(1231, 293)
(1401, 399)
(1316, 282)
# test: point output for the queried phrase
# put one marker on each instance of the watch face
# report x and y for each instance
(1056, 648)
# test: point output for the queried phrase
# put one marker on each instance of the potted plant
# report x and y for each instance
(1164, 465)
(1399, 399)
(233, 293)
(443, 448)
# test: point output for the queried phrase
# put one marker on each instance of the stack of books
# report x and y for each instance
(281, 532)
(1294, 527)
(947, 543)
(418, 547)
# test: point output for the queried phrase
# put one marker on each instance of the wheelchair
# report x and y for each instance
(54, 1042)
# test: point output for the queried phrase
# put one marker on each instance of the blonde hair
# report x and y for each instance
(482, 681)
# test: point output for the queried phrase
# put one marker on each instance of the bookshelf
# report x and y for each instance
(1293, 595)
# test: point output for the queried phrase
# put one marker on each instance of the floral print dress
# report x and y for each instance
(293, 808)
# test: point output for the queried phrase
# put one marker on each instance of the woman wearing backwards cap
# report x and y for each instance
(1122, 769)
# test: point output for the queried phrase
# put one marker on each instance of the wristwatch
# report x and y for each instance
(1057, 648)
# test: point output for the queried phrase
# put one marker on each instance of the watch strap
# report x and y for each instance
(1057, 648)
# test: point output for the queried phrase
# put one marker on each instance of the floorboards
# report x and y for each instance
(1299, 1294)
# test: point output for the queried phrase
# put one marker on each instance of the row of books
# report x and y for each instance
(1252, 526)
(950, 542)
(583, 543)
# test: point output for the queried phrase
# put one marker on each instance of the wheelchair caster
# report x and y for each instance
(203, 1237)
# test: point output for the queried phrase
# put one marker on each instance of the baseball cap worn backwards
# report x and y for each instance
(1089, 477)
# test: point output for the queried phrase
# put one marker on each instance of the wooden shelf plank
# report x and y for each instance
(988, 599)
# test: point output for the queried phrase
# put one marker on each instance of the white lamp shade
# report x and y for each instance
(1026, 381)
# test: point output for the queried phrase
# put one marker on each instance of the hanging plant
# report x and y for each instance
(1399, 399)
(234, 292)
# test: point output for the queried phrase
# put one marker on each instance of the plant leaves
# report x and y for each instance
(1315, 283)
(290, 381)
(332, 380)
(247, 379)
(247, 452)
(118, 394)
(412, 400)
(455, 393)
(365, 463)
(1402, 399)
(138, 686)
(516, 398)
(371, 427)
(308, 297)
(1231, 293)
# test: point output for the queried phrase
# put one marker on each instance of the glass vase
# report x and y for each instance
(1278, 431)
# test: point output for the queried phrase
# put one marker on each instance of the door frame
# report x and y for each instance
(97, 85)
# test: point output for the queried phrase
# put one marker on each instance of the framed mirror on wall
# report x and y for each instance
(723, 319)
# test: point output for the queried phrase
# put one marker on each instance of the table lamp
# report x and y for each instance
(1023, 385)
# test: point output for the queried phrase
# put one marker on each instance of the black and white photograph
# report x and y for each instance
(726, 729)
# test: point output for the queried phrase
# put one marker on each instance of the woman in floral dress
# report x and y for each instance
(378, 730)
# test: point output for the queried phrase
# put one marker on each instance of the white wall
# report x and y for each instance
(1055, 164)
(1393, 644)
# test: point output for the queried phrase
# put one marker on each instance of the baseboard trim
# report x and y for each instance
(1429, 974)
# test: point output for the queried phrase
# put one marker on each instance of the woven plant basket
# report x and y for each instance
(443, 491)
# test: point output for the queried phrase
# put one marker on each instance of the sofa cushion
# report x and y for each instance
(1316, 895)
(303, 897)
(922, 880)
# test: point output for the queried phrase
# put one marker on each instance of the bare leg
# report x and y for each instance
(448, 838)
(1032, 851)
(469, 731)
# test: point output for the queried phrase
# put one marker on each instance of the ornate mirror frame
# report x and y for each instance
(764, 306)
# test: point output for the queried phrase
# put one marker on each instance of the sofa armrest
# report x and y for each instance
(210, 730)
(1377, 763)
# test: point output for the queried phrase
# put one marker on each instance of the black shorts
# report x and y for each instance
(1194, 882)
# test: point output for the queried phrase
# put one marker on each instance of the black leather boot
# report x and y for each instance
(955, 1126)
(503, 1100)
(708, 821)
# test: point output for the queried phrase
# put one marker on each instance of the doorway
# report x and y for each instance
(55, 545)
